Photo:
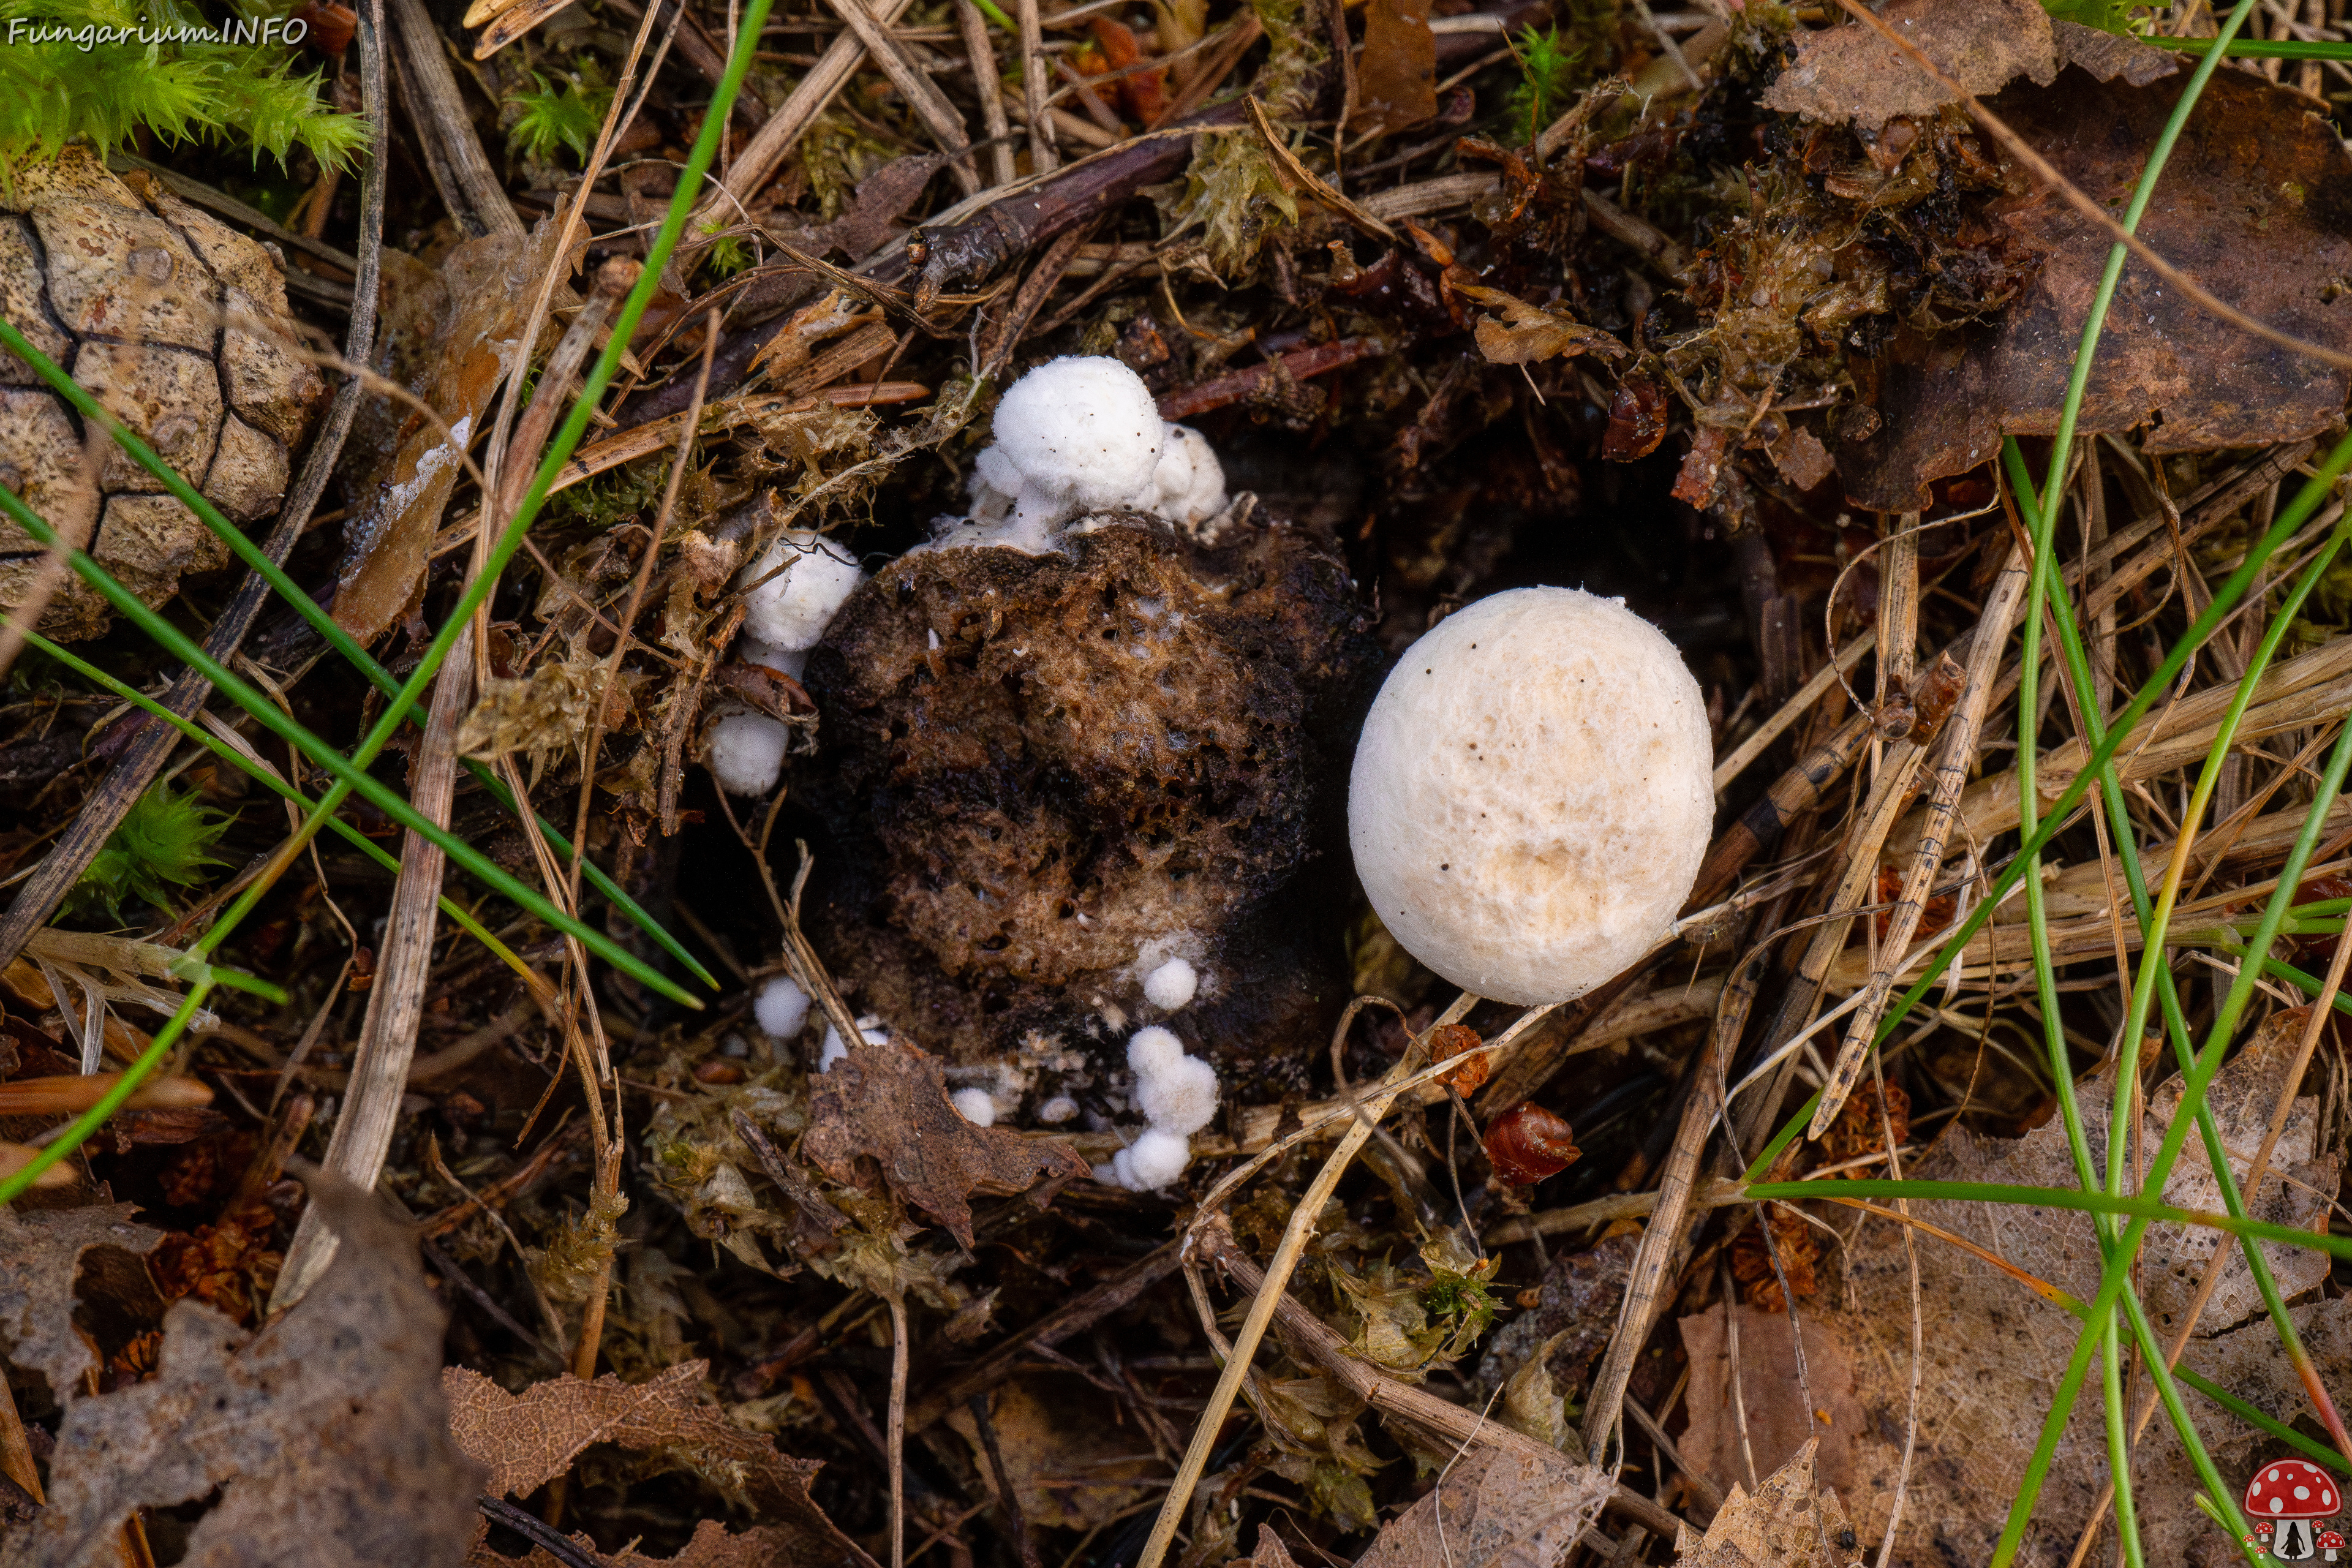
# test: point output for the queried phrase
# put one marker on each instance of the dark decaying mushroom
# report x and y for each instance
(1045, 774)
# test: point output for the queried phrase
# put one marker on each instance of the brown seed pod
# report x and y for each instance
(1527, 1143)
(1450, 1040)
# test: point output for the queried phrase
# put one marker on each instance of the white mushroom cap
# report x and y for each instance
(1171, 984)
(747, 752)
(781, 1007)
(1082, 431)
(1150, 1162)
(1176, 1093)
(975, 1106)
(791, 609)
(1532, 794)
(831, 1050)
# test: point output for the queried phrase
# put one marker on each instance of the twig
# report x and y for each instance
(1943, 805)
(1041, 155)
(469, 187)
(897, 1417)
(1645, 1294)
(370, 1112)
(1736, 761)
(1449, 1424)
(1270, 1291)
(930, 105)
(1074, 1316)
(985, 75)
(978, 1405)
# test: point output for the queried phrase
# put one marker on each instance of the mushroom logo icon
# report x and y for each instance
(2290, 1494)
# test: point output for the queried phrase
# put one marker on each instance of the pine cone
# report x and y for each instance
(178, 325)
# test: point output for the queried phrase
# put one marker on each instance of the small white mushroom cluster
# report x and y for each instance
(1178, 1095)
(783, 617)
(1079, 434)
(1532, 794)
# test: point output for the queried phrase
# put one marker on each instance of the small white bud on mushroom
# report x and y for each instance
(1083, 432)
(1150, 1162)
(781, 1007)
(1188, 487)
(791, 609)
(831, 1050)
(975, 1106)
(1532, 794)
(1057, 1111)
(747, 752)
(1171, 986)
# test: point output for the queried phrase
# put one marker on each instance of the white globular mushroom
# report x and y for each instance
(832, 1050)
(1532, 794)
(746, 751)
(1171, 986)
(791, 609)
(1178, 1095)
(975, 1106)
(1085, 435)
(781, 1007)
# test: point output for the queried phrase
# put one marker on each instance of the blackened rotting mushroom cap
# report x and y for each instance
(1034, 766)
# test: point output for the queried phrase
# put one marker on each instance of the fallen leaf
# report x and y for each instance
(1496, 1509)
(1270, 1553)
(458, 339)
(1396, 74)
(527, 1439)
(325, 1435)
(1789, 1522)
(888, 1104)
(712, 1546)
(1531, 332)
(2249, 207)
(1995, 1350)
(1850, 75)
(1768, 1393)
(1059, 1439)
(40, 1258)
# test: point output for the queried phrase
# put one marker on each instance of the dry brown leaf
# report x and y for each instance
(1531, 332)
(1396, 74)
(1056, 1434)
(2248, 207)
(1777, 1426)
(40, 1256)
(456, 334)
(888, 1104)
(1495, 1510)
(1850, 75)
(325, 1435)
(527, 1439)
(1789, 1522)
(1995, 1350)
(1270, 1553)
(712, 1546)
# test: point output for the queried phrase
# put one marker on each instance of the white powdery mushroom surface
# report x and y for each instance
(783, 617)
(790, 610)
(1079, 435)
(781, 1007)
(1532, 794)
(1178, 1095)
(746, 751)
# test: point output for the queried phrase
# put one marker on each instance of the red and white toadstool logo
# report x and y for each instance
(2290, 1494)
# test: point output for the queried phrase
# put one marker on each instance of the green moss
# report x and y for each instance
(163, 843)
(568, 115)
(83, 70)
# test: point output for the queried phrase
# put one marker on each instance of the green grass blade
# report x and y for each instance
(2259, 49)
(350, 775)
(2143, 1211)
(270, 780)
(320, 621)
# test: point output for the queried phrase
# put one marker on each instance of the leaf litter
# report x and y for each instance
(1463, 297)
